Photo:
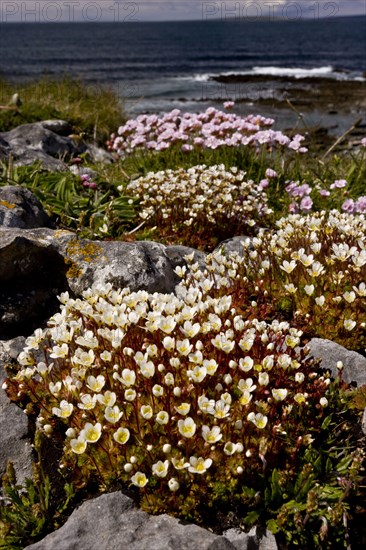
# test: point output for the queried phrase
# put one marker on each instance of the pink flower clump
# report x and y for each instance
(208, 130)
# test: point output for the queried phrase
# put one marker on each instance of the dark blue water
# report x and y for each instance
(155, 64)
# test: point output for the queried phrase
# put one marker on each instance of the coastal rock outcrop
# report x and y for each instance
(139, 266)
(41, 141)
(38, 263)
(142, 265)
(52, 142)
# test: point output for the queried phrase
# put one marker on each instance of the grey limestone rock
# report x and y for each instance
(4, 149)
(32, 274)
(45, 141)
(233, 245)
(354, 364)
(256, 539)
(177, 256)
(139, 266)
(60, 127)
(112, 521)
(20, 208)
(15, 443)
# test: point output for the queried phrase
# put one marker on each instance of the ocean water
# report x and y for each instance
(159, 66)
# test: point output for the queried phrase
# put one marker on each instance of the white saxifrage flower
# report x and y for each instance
(258, 419)
(91, 432)
(211, 435)
(122, 435)
(199, 465)
(160, 469)
(139, 479)
(187, 427)
(64, 410)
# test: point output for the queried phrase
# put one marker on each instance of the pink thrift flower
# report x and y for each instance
(348, 206)
(295, 144)
(363, 142)
(198, 141)
(360, 205)
(187, 147)
(306, 204)
(263, 184)
(338, 184)
(291, 187)
(229, 104)
(271, 173)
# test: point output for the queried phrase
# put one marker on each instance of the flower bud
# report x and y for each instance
(173, 484)
(228, 379)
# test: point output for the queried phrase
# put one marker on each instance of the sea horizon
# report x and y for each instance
(267, 19)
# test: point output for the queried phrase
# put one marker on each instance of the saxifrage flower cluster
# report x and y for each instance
(157, 390)
(208, 200)
(310, 269)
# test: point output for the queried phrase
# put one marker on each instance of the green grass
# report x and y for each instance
(92, 109)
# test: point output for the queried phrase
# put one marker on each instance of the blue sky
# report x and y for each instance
(166, 10)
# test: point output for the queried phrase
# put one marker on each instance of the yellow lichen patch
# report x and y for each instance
(85, 251)
(7, 204)
(59, 233)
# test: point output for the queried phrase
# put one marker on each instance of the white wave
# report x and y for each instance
(291, 72)
(204, 77)
(295, 72)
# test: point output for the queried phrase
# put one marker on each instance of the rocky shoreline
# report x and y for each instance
(329, 107)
